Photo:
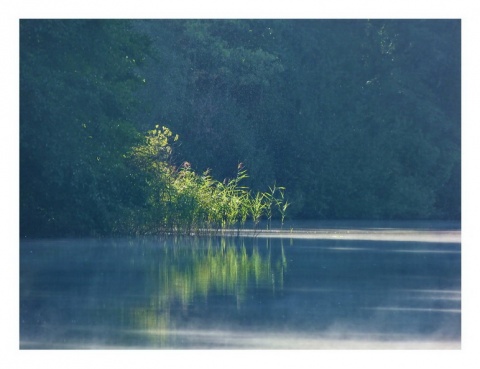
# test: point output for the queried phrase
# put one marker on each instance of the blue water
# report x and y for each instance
(242, 292)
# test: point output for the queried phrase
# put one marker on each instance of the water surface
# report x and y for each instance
(328, 287)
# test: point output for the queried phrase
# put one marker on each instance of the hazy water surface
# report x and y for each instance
(334, 289)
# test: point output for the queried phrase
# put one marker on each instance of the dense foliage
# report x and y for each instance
(357, 119)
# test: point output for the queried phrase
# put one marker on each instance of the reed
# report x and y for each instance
(183, 202)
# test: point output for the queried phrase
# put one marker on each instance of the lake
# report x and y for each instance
(309, 285)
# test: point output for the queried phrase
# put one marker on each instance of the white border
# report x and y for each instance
(12, 11)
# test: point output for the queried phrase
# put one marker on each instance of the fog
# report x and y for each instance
(305, 289)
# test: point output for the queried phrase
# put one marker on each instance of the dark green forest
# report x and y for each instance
(138, 126)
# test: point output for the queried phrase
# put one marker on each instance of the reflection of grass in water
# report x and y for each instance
(225, 270)
(220, 267)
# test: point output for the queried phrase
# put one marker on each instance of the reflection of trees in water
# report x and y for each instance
(187, 275)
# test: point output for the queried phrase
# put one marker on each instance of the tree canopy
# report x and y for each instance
(357, 119)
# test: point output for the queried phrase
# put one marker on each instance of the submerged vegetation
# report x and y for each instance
(186, 202)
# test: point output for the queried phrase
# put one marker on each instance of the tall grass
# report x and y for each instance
(184, 202)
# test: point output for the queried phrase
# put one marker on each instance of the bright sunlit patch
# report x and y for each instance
(328, 340)
(427, 310)
(362, 235)
(428, 251)
(432, 295)
(350, 249)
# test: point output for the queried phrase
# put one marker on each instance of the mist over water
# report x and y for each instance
(272, 291)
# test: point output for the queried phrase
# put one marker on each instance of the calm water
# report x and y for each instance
(348, 285)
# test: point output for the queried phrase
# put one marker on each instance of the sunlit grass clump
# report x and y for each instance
(184, 202)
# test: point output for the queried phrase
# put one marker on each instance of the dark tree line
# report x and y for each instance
(358, 119)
